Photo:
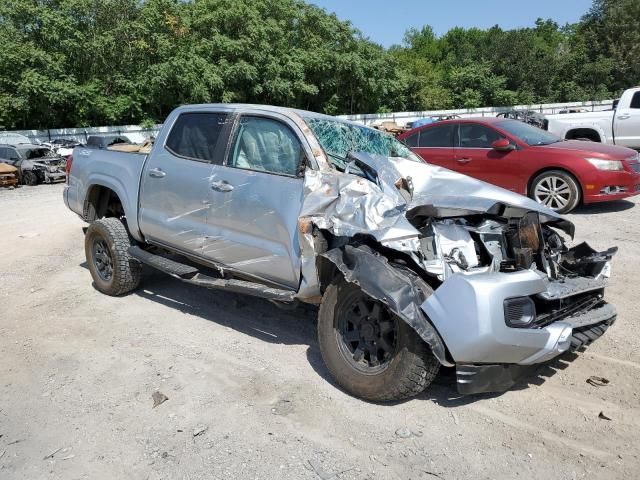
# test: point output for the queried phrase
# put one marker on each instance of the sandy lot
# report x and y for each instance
(248, 395)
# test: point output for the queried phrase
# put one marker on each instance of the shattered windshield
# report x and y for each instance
(339, 138)
(34, 153)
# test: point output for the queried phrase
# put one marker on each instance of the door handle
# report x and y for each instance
(156, 173)
(222, 186)
(624, 117)
(463, 160)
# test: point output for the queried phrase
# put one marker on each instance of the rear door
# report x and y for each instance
(626, 123)
(434, 144)
(475, 157)
(256, 199)
(174, 193)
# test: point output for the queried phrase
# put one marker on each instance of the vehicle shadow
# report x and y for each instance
(604, 207)
(263, 320)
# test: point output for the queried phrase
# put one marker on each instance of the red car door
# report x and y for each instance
(474, 156)
(434, 144)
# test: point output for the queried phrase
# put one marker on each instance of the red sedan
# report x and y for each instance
(519, 157)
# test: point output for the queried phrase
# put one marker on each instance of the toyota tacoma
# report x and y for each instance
(413, 266)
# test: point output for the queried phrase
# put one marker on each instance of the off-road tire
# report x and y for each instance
(574, 188)
(408, 373)
(126, 270)
(29, 178)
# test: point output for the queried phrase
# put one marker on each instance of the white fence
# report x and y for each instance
(402, 118)
(138, 134)
(135, 133)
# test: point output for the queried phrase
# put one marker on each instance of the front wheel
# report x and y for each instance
(369, 351)
(557, 190)
(29, 178)
(106, 247)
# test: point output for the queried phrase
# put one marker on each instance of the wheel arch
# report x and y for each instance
(392, 285)
(584, 132)
(104, 199)
(557, 168)
(102, 202)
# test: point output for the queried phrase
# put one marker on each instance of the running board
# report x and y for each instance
(192, 275)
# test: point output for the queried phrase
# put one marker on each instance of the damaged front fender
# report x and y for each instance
(394, 286)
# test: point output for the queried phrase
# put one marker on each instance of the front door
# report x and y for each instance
(256, 198)
(174, 193)
(474, 156)
(626, 124)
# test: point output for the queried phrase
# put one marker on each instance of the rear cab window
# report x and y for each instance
(635, 101)
(197, 136)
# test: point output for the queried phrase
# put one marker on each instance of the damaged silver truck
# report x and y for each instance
(413, 266)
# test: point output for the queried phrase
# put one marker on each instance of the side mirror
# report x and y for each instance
(503, 145)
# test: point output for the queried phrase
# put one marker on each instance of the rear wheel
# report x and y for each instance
(369, 351)
(557, 190)
(106, 247)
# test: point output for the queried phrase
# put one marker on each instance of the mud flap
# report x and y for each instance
(393, 287)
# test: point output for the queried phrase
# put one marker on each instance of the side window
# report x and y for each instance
(266, 145)
(635, 101)
(195, 135)
(434, 137)
(412, 141)
(473, 135)
(4, 153)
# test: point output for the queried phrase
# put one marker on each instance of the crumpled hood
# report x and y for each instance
(445, 193)
(347, 205)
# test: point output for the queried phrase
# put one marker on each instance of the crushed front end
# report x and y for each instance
(507, 293)
(512, 294)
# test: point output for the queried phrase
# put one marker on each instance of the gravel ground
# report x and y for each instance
(248, 395)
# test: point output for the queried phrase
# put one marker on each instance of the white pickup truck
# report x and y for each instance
(620, 126)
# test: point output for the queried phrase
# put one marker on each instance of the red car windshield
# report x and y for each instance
(529, 134)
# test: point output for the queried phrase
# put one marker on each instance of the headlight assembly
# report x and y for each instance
(607, 165)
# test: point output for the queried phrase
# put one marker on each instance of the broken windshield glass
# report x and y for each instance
(338, 138)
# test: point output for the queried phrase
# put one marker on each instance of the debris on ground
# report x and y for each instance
(456, 420)
(321, 472)
(200, 430)
(598, 381)
(158, 398)
(602, 416)
(282, 407)
(403, 432)
(52, 453)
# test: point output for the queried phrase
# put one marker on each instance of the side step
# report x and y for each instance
(192, 275)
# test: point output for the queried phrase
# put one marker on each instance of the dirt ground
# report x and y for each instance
(248, 395)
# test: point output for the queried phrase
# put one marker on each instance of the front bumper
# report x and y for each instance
(489, 378)
(467, 311)
(51, 177)
(605, 186)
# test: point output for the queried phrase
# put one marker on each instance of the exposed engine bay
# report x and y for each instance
(477, 244)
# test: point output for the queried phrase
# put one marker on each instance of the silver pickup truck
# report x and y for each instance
(413, 266)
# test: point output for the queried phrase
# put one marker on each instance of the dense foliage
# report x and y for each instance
(67, 63)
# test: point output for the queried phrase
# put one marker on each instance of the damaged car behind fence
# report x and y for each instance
(413, 266)
(36, 164)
